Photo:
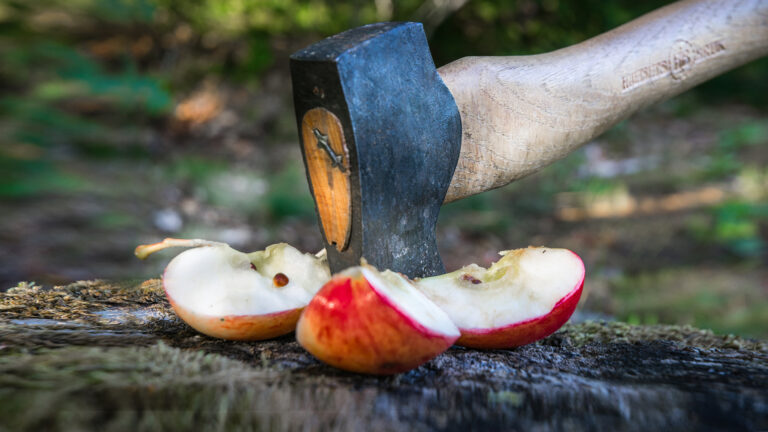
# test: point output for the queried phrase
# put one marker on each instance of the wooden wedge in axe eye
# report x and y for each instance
(387, 138)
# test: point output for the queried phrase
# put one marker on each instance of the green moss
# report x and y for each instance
(512, 398)
(613, 332)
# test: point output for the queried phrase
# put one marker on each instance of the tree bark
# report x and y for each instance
(99, 355)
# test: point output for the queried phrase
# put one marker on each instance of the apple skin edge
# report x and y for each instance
(241, 327)
(349, 325)
(523, 333)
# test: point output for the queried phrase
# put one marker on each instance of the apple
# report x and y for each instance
(228, 294)
(373, 322)
(525, 296)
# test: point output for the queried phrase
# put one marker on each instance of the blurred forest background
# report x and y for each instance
(125, 121)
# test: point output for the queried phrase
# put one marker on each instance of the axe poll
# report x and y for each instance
(387, 138)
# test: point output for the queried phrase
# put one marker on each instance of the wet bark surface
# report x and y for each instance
(100, 355)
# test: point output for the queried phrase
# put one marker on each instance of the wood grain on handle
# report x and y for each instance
(519, 114)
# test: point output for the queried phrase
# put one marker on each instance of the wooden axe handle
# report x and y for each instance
(519, 114)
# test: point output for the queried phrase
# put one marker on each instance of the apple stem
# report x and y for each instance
(143, 251)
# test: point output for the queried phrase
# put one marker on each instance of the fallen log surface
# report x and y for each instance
(107, 356)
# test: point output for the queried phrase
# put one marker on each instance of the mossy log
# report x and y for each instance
(97, 355)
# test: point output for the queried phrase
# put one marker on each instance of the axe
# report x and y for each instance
(387, 138)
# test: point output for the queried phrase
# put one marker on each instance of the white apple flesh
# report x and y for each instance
(525, 296)
(228, 294)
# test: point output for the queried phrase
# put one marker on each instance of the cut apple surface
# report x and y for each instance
(525, 296)
(374, 322)
(225, 293)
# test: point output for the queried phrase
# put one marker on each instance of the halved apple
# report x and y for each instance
(525, 296)
(228, 294)
(373, 322)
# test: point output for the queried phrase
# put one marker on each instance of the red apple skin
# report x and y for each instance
(522, 333)
(349, 325)
(240, 327)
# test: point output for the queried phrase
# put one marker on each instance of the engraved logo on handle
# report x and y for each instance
(683, 56)
(323, 144)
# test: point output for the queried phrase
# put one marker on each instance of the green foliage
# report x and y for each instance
(215, 182)
(288, 195)
(499, 210)
(57, 90)
(281, 17)
(120, 11)
(51, 73)
(259, 57)
(746, 84)
(725, 160)
(19, 179)
(494, 27)
(713, 298)
(743, 136)
(734, 225)
(737, 226)
(194, 169)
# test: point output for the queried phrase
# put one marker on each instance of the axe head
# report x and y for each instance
(380, 136)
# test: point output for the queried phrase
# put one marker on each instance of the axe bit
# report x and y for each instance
(387, 138)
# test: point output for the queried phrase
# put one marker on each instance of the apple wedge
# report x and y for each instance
(373, 322)
(228, 294)
(525, 296)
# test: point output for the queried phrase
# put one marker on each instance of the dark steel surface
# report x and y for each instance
(403, 131)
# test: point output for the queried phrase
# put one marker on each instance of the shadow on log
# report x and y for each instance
(97, 355)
